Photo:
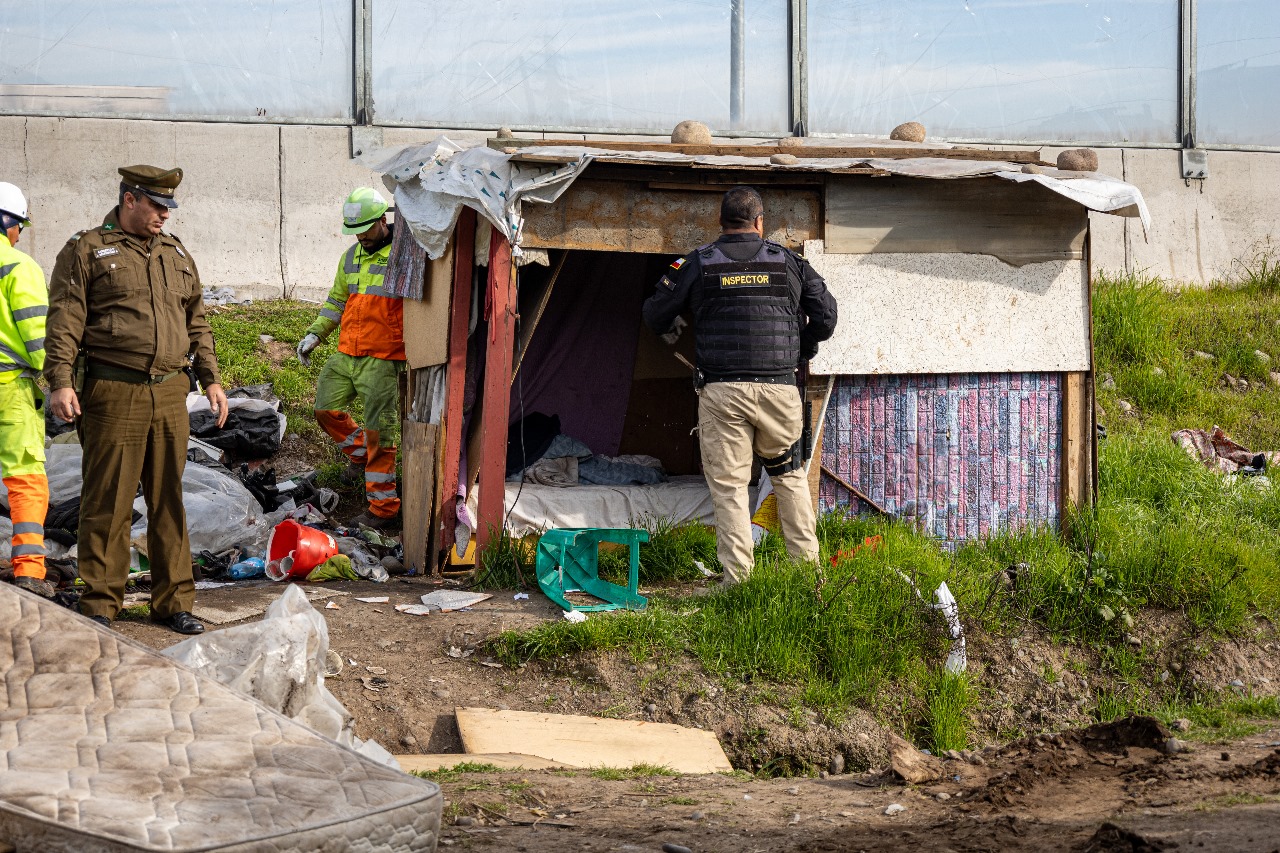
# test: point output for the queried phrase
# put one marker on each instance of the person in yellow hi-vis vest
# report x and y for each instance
(24, 305)
(369, 360)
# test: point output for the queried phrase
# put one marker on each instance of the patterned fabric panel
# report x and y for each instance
(964, 455)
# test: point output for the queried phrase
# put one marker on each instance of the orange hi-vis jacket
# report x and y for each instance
(372, 322)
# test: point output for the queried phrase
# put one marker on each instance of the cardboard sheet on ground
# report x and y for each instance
(503, 760)
(591, 741)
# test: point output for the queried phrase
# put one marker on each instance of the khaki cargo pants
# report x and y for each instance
(130, 434)
(736, 421)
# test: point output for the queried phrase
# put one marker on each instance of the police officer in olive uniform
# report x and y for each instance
(127, 296)
(759, 309)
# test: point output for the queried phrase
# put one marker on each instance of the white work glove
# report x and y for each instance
(673, 334)
(305, 346)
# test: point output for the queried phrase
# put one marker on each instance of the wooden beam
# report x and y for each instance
(417, 458)
(497, 390)
(459, 321)
(885, 152)
(1076, 445)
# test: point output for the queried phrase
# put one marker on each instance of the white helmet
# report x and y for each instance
(13, 202)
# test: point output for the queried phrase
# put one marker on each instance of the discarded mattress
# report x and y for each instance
(532, 508)
(107, 746)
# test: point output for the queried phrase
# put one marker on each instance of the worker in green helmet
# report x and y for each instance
(368, 362)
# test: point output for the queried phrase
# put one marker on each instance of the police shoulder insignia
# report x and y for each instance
(79, 234)
(667, 283)
(105, 251)
(178, 249)
(677, 263)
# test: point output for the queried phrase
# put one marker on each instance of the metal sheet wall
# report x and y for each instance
(965, 455)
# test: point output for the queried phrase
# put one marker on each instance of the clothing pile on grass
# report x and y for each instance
(232, 497)
(538, 452)
(1215, 449)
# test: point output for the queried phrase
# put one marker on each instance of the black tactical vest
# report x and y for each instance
(746, 315)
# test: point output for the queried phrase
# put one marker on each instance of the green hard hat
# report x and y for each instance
(362, 208)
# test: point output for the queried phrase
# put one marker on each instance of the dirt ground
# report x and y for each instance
(1087, 789)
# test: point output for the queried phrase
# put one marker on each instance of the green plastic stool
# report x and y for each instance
(567, 562)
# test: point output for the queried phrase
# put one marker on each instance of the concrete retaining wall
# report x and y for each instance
(261, 203)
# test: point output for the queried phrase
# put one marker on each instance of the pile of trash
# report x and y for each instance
(235, 507)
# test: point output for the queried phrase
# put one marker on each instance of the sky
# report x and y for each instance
(1035, 70)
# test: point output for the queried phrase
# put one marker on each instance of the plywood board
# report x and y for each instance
(426, 320)
(591, 741)
(502, 760)
(953, 313)
(417, 489)
(632, 216)
(1019, 223)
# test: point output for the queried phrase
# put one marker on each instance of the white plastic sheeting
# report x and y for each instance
(280, 661)
(1095, 192)
(431, 184)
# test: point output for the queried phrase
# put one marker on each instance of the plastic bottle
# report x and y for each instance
(254, 567)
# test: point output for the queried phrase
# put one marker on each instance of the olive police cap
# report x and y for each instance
(158, 184)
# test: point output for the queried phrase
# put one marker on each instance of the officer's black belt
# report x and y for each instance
(111, 373)
(788, 379)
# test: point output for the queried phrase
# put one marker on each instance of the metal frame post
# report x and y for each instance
(737, 62)
(798, 44)
(1187, 73)
(362, 61)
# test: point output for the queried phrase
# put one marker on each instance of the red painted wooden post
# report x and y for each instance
(459, 320)
(497, 391)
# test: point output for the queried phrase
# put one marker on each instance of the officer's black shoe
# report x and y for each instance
(182, 622)
(101, 620)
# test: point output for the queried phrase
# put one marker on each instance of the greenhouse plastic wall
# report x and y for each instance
(195, 58)
(578, 63)
(1238, 72)
(1103, 72)
(1016, 71)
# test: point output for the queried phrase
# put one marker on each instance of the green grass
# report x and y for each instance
(1140, 325)
(456, 772)
(638, 771)
(244, 359)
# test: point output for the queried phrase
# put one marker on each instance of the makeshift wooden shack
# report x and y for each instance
(957, 391)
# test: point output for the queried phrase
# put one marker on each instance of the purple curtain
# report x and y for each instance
(582, 355)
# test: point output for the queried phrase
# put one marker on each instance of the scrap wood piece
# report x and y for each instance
(502, 760)
(591, 741)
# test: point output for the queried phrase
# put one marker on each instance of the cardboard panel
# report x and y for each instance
(1018, 223)
(426, 320)
(635, 216)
